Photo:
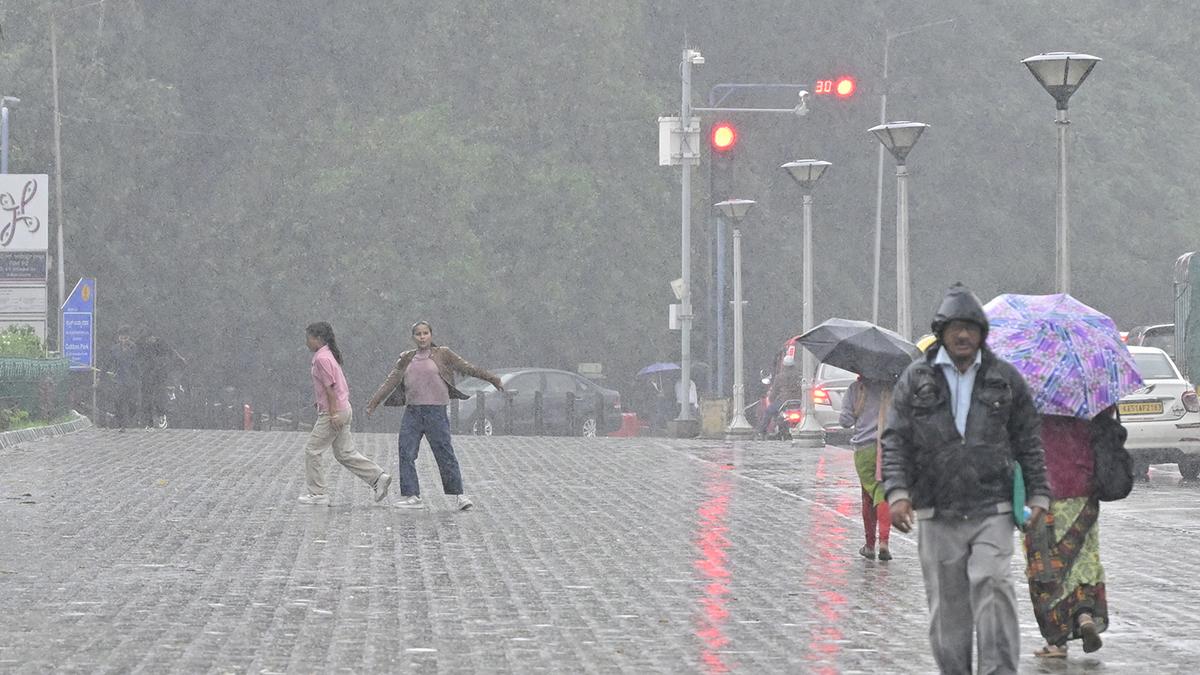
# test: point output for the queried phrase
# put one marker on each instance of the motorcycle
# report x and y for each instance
(791, 414)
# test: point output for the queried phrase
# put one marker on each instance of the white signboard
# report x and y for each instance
(22, 300)
(24, 211)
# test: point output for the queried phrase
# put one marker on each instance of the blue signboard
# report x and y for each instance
(79, 325)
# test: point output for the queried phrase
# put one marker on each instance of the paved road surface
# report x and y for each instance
(185, 551)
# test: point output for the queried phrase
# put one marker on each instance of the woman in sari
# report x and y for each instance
(1066, 580)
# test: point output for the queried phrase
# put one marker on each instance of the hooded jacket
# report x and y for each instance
(945, 473)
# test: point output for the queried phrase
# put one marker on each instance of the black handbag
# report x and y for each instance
(1112, 473)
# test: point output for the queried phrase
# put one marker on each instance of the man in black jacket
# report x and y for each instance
(960, 419)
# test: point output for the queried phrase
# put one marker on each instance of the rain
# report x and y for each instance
(222, 175)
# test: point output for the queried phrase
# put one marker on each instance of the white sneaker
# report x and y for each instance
(315, 500)
(381, 486)
(413, 502)
(464, 503)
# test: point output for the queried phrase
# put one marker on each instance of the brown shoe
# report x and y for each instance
(1089, 634)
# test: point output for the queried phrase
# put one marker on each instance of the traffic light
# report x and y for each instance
(842, 87)
(723, 137)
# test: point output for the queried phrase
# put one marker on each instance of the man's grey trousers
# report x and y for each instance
(966, 565)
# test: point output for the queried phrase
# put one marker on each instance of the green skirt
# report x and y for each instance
(864, 463)
(1064, 570)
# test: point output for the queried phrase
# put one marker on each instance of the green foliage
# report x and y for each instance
(13, 418)
(20, 341)
(233, 171)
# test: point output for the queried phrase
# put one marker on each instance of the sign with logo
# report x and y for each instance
(79, 325)
(22, 266)
(24, 212)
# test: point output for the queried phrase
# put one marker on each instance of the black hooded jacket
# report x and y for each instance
(940, 469)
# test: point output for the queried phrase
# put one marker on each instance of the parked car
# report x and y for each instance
(1160, 335)
(1163, 417)
(829, 387)
(568, 404)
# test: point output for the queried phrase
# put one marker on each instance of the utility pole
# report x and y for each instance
(58, 204)
(690, 57)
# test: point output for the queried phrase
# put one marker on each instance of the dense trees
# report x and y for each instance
(235, 170)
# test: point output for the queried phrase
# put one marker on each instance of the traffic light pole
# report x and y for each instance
(716, 95)
(683, 422)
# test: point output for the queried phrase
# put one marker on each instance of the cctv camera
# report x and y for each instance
(802, 106)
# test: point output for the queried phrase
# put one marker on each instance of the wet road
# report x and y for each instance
(185, 551)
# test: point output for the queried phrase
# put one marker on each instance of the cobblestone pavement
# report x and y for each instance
(186, 551)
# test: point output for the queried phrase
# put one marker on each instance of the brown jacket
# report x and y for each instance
(447, 362)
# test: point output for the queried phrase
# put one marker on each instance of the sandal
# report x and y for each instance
(1089, 634)
(1052, 652)
(868, 553)
(885, 553)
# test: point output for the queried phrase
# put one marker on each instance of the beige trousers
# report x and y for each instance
(323, 436)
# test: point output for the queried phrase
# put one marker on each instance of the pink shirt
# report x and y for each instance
(423, 384)
(327, 373)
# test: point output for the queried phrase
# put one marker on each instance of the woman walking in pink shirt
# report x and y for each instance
(424, 379)
(332, 400)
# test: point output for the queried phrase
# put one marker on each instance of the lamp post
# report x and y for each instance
(887, 43)
(1060, 74)
(899, 138)
(4, 100)
(806, 173)
(734, 211)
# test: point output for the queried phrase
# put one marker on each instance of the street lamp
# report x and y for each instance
(806, 173)
(887, 43)
(4, 100)
(899, 138)
(1060, 74)
(734, 211)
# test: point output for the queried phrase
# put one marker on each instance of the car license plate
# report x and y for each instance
(1141, 408)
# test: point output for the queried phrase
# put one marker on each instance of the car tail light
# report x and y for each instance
(1190, 401)
(820, 396)
(793, 417)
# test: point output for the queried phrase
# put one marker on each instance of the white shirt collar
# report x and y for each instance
(943, 357)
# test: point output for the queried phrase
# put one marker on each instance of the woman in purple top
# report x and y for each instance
(424, 380)
(332, 400)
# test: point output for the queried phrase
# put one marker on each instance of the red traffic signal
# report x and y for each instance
(723, 136)
(841, 87)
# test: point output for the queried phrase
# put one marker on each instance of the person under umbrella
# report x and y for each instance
(863, 409)
(878, 355)
(1077, 368)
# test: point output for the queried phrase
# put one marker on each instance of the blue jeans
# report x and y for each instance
(431, 422)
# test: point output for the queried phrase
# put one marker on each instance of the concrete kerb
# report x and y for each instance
(10, 439)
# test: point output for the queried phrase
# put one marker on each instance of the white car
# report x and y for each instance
(1163, 417)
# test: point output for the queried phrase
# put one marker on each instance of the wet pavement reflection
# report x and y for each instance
(713, 568)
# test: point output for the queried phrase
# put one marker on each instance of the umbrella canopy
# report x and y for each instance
(860, 347)
(657, 368)
(1070, 354)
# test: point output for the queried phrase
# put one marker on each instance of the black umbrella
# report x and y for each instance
(860, 347)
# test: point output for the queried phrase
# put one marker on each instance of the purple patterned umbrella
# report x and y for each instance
(1070, 354)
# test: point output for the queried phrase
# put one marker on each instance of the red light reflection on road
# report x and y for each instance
(826, 574)
(712, 566)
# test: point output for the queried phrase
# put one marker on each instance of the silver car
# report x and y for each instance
(829, 387)
(1163, 417)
